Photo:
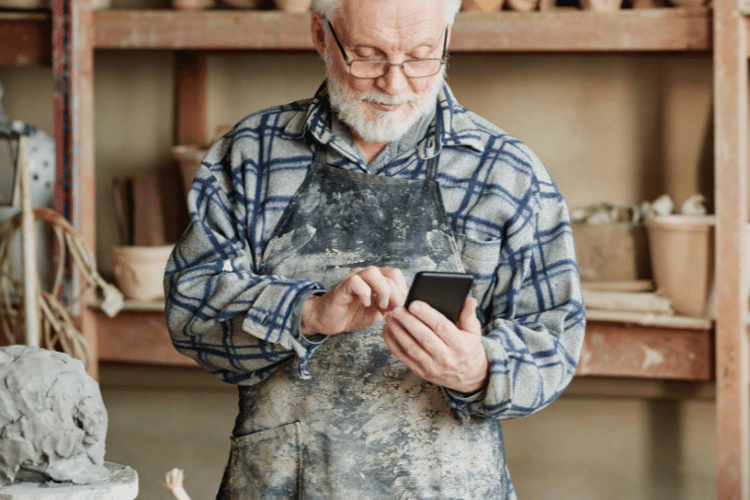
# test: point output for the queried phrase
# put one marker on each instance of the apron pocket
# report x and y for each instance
(266, 464)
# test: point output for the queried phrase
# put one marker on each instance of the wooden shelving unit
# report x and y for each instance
(619, 346)
(635, 346)
(563, 31)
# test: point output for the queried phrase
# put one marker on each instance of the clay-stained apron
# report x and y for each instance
(364, 427)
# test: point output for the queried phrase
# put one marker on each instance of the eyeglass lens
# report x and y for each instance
(414, 69)
(417, 68)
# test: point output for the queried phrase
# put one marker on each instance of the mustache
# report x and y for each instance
(379, 97)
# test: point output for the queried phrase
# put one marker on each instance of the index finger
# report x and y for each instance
(397, 276)
(383, 286)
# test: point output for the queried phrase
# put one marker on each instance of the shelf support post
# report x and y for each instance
(75, 192)
(190, 82)
(732, 271)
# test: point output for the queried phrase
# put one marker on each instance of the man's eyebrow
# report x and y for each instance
(369, 45)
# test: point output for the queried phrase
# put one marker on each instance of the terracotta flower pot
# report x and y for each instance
(293, 6)
(139, 270)
(482, 5)
(601, 5)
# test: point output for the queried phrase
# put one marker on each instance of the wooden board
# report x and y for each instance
(75, 192)
(191, 71)
(620, 350)
(25, 39)
(732, 267)
(122, 194)
(669, 29)
(148, 215)
(138, 337)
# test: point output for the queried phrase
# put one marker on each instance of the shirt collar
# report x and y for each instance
(456, 126)
(450, 126)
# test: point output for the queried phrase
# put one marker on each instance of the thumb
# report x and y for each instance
(467, 320)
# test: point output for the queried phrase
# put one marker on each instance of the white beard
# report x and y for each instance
(384, 126)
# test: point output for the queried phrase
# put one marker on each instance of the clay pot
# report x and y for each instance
(523, 5)
(246, 4)
(45, 4)
(139, 270)
(25, 4)
(480, 6)
(601, 5)
(293, 6)
(689, 3)
(192, 4)
(682, 259)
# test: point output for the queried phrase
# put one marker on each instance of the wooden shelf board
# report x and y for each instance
(629, 30)
(611, 348)
(25, 39)
(668, 29)
(138, 336)
(201, 30)
(632, 350)
(141, 305)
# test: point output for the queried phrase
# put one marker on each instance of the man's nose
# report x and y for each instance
(394, 81)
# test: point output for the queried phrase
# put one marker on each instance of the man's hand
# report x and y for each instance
(361, 299)
(437, 350)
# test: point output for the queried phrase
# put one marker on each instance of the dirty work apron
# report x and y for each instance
(364, 427)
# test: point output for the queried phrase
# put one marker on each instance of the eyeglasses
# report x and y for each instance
(413, 68)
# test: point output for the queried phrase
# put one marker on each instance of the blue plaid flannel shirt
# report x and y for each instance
(510, 222)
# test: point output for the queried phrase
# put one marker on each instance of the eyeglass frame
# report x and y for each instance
(389, 65)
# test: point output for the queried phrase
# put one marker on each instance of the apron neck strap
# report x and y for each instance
(320, 153)
(432, 166)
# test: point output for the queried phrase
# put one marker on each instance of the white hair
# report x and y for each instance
(329, 8)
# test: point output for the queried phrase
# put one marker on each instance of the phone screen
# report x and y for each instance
(445, 292)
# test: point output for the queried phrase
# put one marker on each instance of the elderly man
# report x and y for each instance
(308, 222)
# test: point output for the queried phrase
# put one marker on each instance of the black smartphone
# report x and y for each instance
(446, 292)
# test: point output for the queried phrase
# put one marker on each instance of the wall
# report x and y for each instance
(609, 128)
(632, 127)
(616, 128)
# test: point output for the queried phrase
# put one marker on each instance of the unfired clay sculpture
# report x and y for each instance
(53, 422)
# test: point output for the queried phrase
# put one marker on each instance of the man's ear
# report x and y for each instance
(317, 29)
(450, 32)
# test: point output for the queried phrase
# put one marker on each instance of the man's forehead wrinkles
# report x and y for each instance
(393, 22)
(396, 35)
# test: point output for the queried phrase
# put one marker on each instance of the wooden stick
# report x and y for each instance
(28, 244)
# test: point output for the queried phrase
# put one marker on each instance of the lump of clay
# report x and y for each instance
(53, 422)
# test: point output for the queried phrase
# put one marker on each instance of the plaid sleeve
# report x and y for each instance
(520, 249)
(534, 347)
(236, 323)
